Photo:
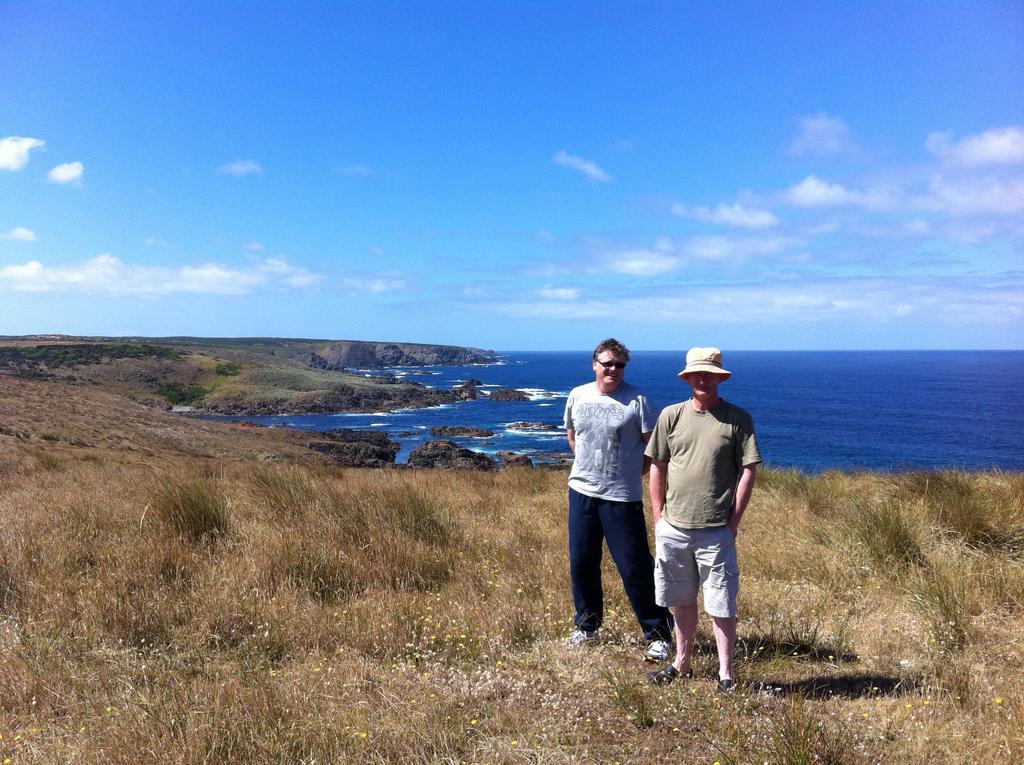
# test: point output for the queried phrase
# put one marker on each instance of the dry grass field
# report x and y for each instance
(198, 610)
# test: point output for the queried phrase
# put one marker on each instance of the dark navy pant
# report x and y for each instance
(621, 524)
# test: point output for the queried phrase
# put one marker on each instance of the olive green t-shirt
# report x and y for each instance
(705, 452)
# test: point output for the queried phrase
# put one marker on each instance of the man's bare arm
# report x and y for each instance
(570, 434)
(647, 460)
(744, 488)
(659, 485)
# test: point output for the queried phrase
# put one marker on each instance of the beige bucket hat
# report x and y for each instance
(705, 360)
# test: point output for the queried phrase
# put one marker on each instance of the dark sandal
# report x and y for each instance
(666, 675)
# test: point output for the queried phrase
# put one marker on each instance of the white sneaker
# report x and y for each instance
(580, 637)
(658, 651)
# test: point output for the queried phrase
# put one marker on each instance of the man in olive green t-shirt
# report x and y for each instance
(704, 459)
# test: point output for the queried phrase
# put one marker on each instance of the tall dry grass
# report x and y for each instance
(242, 613)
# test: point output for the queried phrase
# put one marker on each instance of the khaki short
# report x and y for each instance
(690, 559)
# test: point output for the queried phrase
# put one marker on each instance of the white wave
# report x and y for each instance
(377, 424)
(539, 394)
(535, 430)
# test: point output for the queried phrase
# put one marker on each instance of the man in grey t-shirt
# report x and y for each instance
(608, 423)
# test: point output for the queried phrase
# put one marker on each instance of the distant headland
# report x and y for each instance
(258, 375)
(123, 395)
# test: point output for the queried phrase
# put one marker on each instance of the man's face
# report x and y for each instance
(609, 369)
(703, 383)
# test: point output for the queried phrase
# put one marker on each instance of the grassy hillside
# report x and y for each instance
(53, 420)
(195, 610)
(231, 376)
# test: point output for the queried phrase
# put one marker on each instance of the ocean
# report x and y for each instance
(813, 411)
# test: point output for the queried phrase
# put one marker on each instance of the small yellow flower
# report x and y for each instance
(999, 701)
(472, 722)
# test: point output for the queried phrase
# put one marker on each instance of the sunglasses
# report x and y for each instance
(612, 364)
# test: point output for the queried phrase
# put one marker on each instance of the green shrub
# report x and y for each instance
(228, 368)
(180, 394)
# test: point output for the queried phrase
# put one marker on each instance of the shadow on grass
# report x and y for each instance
(852, 686)
(768, 649)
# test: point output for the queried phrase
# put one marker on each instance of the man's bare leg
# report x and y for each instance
(685, 630)
(725, 639)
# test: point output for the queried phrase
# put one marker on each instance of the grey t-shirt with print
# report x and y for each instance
(609, 440)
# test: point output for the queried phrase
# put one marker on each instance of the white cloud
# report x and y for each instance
(658, 259)
(241, 167)
(643, 263)
(665, 256)
(108, 275)
(974, 196)
(253, 247)
(588, 168)
(14, 151)
(736, 249)
(822, 136)
(728, 215)
(865, 300)
(69, 172)
(998, 146)
(357, 169)
(154, 241)
(290, 276)
(374, 285)
(558, 293)
(814, 192)
(19, 234)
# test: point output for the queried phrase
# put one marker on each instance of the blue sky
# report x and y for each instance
(516, 175)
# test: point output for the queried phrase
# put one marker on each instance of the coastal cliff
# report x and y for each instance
(239, 376)
(354, 354)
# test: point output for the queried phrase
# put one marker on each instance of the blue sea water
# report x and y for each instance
(859, 410)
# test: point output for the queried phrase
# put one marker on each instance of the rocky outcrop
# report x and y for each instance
(446, 455)
(460, 430)
(468, 389)
(341, 398)
(364, 355)
(357, 448)
(511, 459)
(508, 394)
(545, 427)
